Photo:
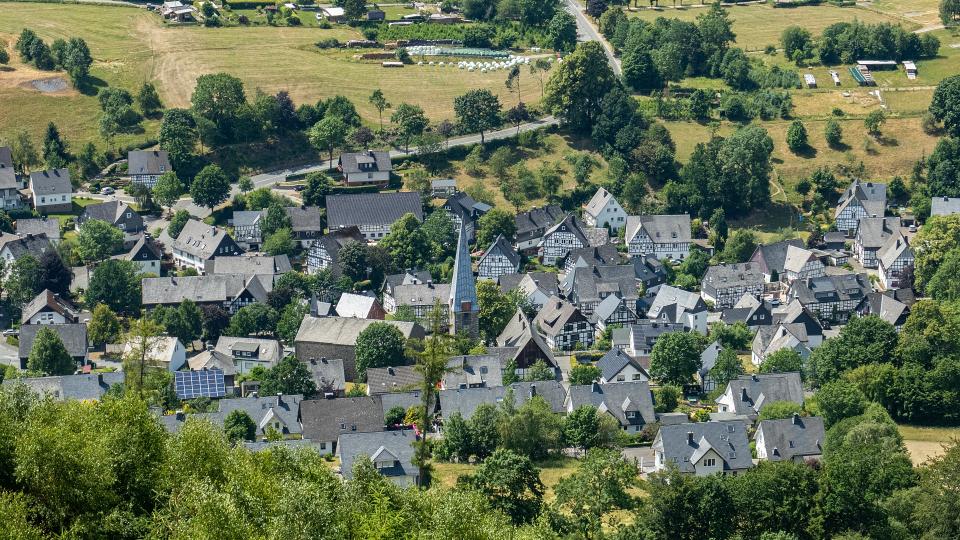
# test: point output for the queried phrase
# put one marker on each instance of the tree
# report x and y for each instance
(177, 222)
(23, 152)
(432, 365)
(328, 134)
(539, 371)
(4, 55)
(354, 9)
(582, 427)
(238, 426)
(797, 136)
(727, 368)
(379, 345)
(214, 320)
(496, 308)
(562, 32)
(116, 283)
(220, 99)
(945, 105)
(838, 400)
(833, 133)
(289, 376)
(511, 483)
(168, 189)
(740, 246)
(675, 506)
(675, 357)
(477, 111)
(98, 240)
(316, 190)
(178, 136)
(936, 508)
(584, 374)
(148, 99)
(874, 121)
(411, 121)
(54, 148)
(23, 282)
(210, 187)
(949, 12)
(600, 485)
(575, 90)
(864, 340)
(533, 430)
(104, 326)
(782, 361)
(779, 410)
(54, 275)
(407, 243)
(494, 223)
(378, 100)
(797, 43)
(774, 496)
(49, 356)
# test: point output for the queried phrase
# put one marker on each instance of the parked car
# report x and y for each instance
(107, 191)
(11, 332)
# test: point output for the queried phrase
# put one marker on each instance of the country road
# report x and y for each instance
(586, 31)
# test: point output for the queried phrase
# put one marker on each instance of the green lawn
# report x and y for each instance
(925, 442)
(551, 471)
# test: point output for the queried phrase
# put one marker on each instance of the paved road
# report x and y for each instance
(586, 31)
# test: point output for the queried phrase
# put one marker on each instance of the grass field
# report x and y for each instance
(924, 443)
(131, 46)
(551, 471)
(759, 25)
(924, 12)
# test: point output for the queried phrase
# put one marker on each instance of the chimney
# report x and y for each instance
(743, 394)
(533, 391)
(595, 387)
(796, 419)
(690, 438)
(755, 377)
(279, 398)
(314, 310)
(390, 371)
(180, 416)
(323, 359)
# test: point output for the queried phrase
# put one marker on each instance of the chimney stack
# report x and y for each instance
(533, 391)
(743, 394)
(690, 438)
(796, 419)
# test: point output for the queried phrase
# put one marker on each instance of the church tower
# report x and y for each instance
(464, 309)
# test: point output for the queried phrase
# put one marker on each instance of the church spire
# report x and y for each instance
(464, 308)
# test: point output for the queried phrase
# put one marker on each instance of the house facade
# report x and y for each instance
(199, 243)
(9, 188)
(372, 213)
(664, 236)
(563, 326)
(894, 260)
(370, 167)
(703, 448)
(145, 167)
(861, 199)
(603, 211)
(871, 235)
(560, 239)
(323, 253)
(499, 259)
(52, 191)
(532, 224)
(723, 285)
(832, 298)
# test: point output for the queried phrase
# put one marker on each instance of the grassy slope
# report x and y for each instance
(926, 442)
(551, 472)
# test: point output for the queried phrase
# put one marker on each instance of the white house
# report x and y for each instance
(703, 448)
(51, 191)
(164, 351)
(560, 239)
(893, 259)
(675, 305)
(861, 199)
(370, 167)
(664, 236)
(499, 259)
(603, 210)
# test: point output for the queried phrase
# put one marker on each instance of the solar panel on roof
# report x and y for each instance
(207, 383)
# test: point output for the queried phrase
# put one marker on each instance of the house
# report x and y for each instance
(390, 452)
(145, 167)
(724, 284)
(12, 247)
(801, 263)
(229, 291)
(247, 352)
(199, 243)
(442, 188)
(9, 184)
(587, 256)
(393, 379)
(422, 298)
(74, 337)
(116, 213)
(48, 227)
(771, 259)
(617, 366)
(246, 228)
(588, 286)
(861, 199)
(944, 206)
(886, 306)
(558, 240)
(52, 191)
(770, 339)
(832, 298)
(333, 14)
(798, 438)
(629, 403)
(267, 267)
(603, 211)
(532, 224)
(49, 308)
(80, 387)
(708, 359)
(563, 326)
(703, 448)
(376, 15)
(894, 260)
(177, 11)
(527, 345)
(372, 213)
(323, 253)
(472, 371)
(649, 272)
(749, 394)
(328, 375)
(466, 400)
(210, 361)
(679, 306)
(279, 413)
(536, 287)
(370, 167)
(305, 224)
(613, 311)
(408, 277)
(325, 420)
(641, 337)
(663, 236)
(336, 337)
(751, 310)
(360, 306)
(462, 209)
(165, 351)
(870, 235)
(795, 312)
(146, 254)
(499, 259)
(464, 308)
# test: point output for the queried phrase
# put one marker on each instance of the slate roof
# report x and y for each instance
(355, 305)
(335, 240)
(646, 332)
(589, 284)
(262, 409)
(322, 418)
(895, 247)
(6, 156)
(616, 399)
(789, 438)
(201, 289)
(344, 330)
(554, 314)
(199, 239)
(268, 350)
(887, 307)
(304, 218)
(648, 269)
(8, 177)
(393, 379)
(250, 265)
(772, 257)
(51, 182)
(326, 373)
(371, 208)
(752, 392)
(74, 337)
(546, 281)
(463, 285)
(795, 312)
(730, 276)
(212, 360)
(49, 300)
(683, 444)
(377, 160)
(537, 219)
(83, 387)
(614, 361)
(831, 288)
(608, 306)
(404, 400)
(244, 218)
(409, 277)
(384, 445)
(660, 228)
(501, 246)
(571, 224)
(668, 296)
(944, 206)
(796, 258)
(605, 254)
(31, 244)
(519, 332)
(46, 226)
(110, 211)
(473, 370)
(422, 294)
(148, 162)
(873, 232)
(466, 400)
(871, 195)
(772, 338)
(143, 243)
(598, 202)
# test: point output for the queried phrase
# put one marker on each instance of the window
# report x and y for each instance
(710, 462)
(637, 377)
(343, 425)
(621, 378)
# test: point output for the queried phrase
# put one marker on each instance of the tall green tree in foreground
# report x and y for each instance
(49, 355)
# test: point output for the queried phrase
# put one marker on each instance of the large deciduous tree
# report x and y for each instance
(379, 345)
(477, 111)
(577, 86)
(210, 187)
(675, 357)
(48, 355)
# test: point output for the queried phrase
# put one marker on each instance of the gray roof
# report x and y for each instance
(831, 288)
(322, 418)
(753, 392)
(250, 265)
(74, 337)
(304, 218)
(598, 202)
(395, 446)
(110, 211)
(646, 332)
(772, 257)
(264, 409)
(873, 232)
(614, 361)
(8, 177)
(519, 332)
(148, 162)
(537, 219)
(473, 370)
(896, 246)
(6, 156)
(723, 276)
(668, 296)
(609, 305)
(617, 399)
(143, 244)
(887, 307)
(360, 306)
(605, 254)
(51, 182)
(789, 438)
(267, 350)
(201, 289)
(944, 206)
(31, 244)
(344, 330)
(591, 283)
(772, 338)
(463, 285)
(440, 183)
(570, 224)
(554, 314)
(245, 218)
(260, 446)
(369, 161)
(795, 312)
(371, 208)
(501, 246)
(660, 228)
(327, 373)
(684, 444)
(393, 379)
(409, 277)
(51, 301)
(871, 195)
(547, 281)
(199, 239)
(421, 294)
(404, 400)
(83, 387)
(212, 360)
(466, 400)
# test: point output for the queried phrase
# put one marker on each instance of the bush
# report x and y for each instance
(329, 43)
(797, 136)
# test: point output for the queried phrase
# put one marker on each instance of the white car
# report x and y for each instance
(107, 191)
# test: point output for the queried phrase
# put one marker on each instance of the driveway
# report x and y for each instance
(9, 355)
(643, 455)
